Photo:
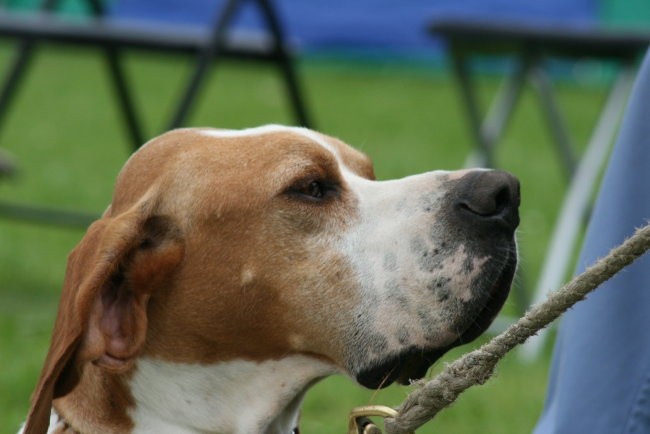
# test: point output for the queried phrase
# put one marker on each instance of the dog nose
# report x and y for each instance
(489, 197)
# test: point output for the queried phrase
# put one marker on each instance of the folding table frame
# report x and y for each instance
(112, 36)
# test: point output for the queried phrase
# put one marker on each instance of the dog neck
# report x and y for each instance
(236, 397)
(233, 397)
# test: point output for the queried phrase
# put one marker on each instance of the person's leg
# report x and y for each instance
(600, 376)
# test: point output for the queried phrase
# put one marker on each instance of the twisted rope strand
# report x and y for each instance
(477, 367)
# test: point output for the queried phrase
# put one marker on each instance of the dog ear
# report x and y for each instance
(102, 317)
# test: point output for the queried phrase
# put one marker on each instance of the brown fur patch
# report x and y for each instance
(242, 222)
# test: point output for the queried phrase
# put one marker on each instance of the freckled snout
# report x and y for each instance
(489, 199)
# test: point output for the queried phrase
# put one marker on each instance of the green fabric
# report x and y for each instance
(625, 13)
(68, 7)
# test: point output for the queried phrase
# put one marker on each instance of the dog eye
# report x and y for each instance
(313, 190)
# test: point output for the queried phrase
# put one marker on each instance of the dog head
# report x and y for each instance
(258, 244)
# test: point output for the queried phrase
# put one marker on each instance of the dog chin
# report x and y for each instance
(409, 365)
(412, 363)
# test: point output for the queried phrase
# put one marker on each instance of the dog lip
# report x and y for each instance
(498, 293)
(410, 364)
(413, 363)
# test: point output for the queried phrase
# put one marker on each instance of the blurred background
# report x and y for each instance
(371, 72)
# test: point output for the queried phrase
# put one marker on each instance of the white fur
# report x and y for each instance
(238, 397)
(272, 128)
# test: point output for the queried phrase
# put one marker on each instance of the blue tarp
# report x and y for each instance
(386, 26)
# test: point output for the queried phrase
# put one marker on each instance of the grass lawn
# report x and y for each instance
(65, 133)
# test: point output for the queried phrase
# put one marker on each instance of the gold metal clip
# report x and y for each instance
(359, 422)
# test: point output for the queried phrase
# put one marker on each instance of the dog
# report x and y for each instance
(235, 269)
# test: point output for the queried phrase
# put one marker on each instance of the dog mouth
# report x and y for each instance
(414, 362)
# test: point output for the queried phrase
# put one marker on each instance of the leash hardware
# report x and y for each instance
(359, 422)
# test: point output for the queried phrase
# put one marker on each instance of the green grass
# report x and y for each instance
(65, 133)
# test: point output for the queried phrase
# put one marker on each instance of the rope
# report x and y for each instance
(477, 367)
